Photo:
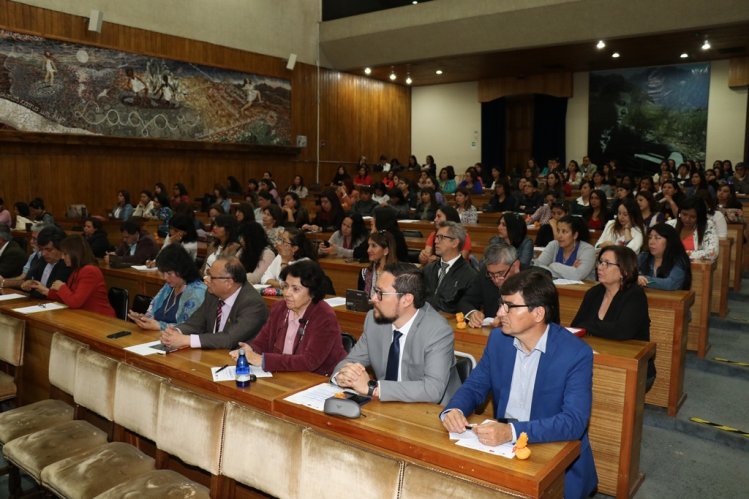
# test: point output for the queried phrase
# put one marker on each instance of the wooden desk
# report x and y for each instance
(345, 275)
(702, 285)
(736, 234)
(719, 295)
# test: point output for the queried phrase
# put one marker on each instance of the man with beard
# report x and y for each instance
(408, 344)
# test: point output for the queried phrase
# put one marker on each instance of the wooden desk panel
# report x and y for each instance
(736, 234)
(702, 285)
(345, 275)
(719, 295)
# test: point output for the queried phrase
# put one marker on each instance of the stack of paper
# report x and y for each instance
(315, 397)
(42, 307)
(11, 296)
(469, 440)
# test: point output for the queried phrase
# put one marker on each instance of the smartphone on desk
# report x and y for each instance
(359, 399)
(118, 334)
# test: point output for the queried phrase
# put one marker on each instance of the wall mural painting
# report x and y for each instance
(641, 116)
(54, 87)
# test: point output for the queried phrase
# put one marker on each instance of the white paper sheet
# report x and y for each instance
(42, 307)
(566, 282)
(336, 301)
(469, 440)
(144, 348)
(228, 373)
(487, 321)
(143, 268)
(315, 397)
(11, 296)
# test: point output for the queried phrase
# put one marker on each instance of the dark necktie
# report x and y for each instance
(219, 312)
(442, 272)
(394, 355)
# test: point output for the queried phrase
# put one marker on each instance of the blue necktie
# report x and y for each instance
(394, 355)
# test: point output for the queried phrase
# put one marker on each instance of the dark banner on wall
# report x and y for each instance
(54, 87)
(642, 116)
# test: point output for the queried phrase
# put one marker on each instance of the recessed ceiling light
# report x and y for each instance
(616, 55)
(439, 72)
(415, 2)
(367, 71)
(392, 76)
(409, 80)
(706, 45)
(684, 55)
(601, 44)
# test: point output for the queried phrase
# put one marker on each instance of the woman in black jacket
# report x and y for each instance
(96, 237)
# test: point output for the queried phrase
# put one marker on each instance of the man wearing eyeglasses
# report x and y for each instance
(447, 279)
(539, 375)
(481, 299)
(231, 312)
(408, 345)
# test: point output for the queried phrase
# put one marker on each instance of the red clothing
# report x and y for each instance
(86, 290)
(365, 180)
(319, 349)
(595, 224)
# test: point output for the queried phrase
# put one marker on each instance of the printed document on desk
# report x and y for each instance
(469, 440)
(42, 307)
(11, 296)
(315, 397)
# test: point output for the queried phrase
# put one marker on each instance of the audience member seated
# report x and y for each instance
(85, 288)
(464, 206)
(398, 203)
(554, 185)
(34, 258)
(623, 191)
(626, 229)
(549, 362)
(381, 254)
(649, 209)
(5, 217)
(179, 194)
(548, 231)
(232, 311)
(349, 235)
(297, 186)
(302, 332)
(719, 220)
(340, 176)
(123, 210)
(531, 199)
(181, 295)
(273, 224)
(670, 198)
(570, 256)
(512, 230)
(224, 241)
(51, 267)
(665, 264)
(256, 255)
(481, 300)
(329, 213)
(599, 184)
(162, 212)
(427, 207)
(726, 197)
(446, 280)
(617, 307)
(697, 233)
(267, 185)
(502, 199)
(182, 232)
(365, 205)
(145, 205)
(740, 178)
(264, 200)
(596, 215)
(363, 177)
(137, 245)
(294, 213)
(385, 218)
(222, 197)
(380, 194)
(39, 214)
(407, 344)
(293, 246)
(447, 181)
(23, 214)
(12, 256)
(251, 195)
(471, 183)
(213, 211)
(574, 176)
(244, 213)
(443, 214)
(409, 193)
(542, 215)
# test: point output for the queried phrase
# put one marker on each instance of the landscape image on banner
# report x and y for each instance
(55, 87)
(642, 116)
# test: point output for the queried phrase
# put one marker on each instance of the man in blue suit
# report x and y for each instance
(540, 378)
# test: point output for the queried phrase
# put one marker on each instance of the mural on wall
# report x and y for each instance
(55, 87)
(641, 116)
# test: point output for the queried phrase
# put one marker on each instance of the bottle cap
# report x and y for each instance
(241, 351)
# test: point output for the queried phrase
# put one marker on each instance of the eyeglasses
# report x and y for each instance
(500, 275)
(606, 264)
(440, 237)
(506, 307)
(380, 293)
(209, 277)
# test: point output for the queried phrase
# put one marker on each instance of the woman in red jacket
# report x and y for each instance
(85, 288)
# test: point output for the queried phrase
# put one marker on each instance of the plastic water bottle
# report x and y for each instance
(242, 372)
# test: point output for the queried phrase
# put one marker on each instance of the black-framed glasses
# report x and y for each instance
(500, 275)
(606, 264)
(506, 307)
(440, 237)
(380, 293)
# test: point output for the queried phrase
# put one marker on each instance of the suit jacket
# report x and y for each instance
(245, 319)
(562, 397)
(482, 294)
(428, 371)
(12, 260)
(454, 285)
(60, 272)
(317, 349)
(145, 249)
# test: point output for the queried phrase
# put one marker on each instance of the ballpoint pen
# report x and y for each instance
(222, 368)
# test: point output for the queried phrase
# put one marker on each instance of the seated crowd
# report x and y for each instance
(647, 236)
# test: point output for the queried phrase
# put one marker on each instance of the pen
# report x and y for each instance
(470, 426)
(222, 368)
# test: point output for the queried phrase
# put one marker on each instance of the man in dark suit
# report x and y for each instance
(539, 375)
(481, 299)
(447, 279)
(51, 267)
(137, 245)
(242, 311)
(12, 256)
(408, 345)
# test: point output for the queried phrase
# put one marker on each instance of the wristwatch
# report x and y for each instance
(372, 384)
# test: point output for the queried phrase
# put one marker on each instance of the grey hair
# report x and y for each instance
(500, 253)
(455, 230)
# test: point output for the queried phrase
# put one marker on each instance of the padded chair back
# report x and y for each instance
(119, 299)
(136, 400)
(190, 427)
(423, 483)
(348, 342)
(63, 362)
(356, 471)
(95, 379)
(464, 367)
(12, 332)
(280, 441)
(141, 303)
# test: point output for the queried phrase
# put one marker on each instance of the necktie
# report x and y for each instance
(442, 272)
(394, 355)
(219, 312)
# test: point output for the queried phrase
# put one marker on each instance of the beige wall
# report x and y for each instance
(726, 117)
(269, 27)
(446, 123)
(577, 118)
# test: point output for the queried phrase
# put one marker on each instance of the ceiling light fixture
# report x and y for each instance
(392, 75)
(706, 45)
(684, 55)
(616, 55)
(367, 71)
(415, 2)
(409, 80)
(439, 72)
(601, 44)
